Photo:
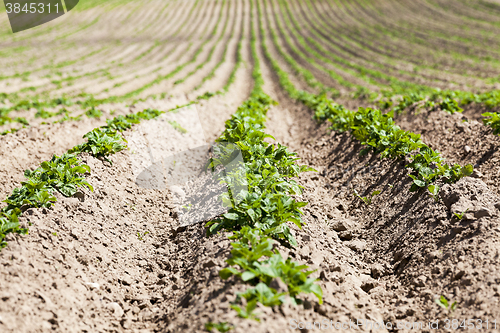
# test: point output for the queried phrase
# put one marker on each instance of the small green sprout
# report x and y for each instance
(130, 205)
(461, 215)
(221, 327)
(177, 127)
(188, 207)
(368, 199)
(141, 236)
(444, 303)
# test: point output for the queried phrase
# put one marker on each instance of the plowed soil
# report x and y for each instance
(117, 260)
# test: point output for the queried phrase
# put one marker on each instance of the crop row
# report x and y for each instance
(414, 38)
(65, 174)
(261, 215)
(90, 104)
(176, 32)
(260, 218)
(374, 129)
(346, 55)
(211, 74)
(308, 41)
(320, 33)
(445, 100)
(56, 65)
(400, 94)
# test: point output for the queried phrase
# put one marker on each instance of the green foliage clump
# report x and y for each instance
(492, 120)
(9, 223)
(12, 130)
(177, 127)
(368, 199)
(64, 173)
(207, 95)
(121, 123)
(252, 252)
(101, 143)
(267, 204)
(93, 113)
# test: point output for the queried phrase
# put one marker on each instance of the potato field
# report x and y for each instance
(358, 143)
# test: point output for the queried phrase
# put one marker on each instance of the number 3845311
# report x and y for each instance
(31, 8)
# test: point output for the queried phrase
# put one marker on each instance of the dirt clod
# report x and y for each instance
(116, 309)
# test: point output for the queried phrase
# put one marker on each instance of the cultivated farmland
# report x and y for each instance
(368, 133)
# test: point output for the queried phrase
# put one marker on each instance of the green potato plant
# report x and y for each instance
(493, 121)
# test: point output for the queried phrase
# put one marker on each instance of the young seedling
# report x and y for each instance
(177, 127)
(444, 303)
(141, 236)
(461, 215)
(188, 207)
(221, 327)
(130, 205)
(368, 199)
(433, 192)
